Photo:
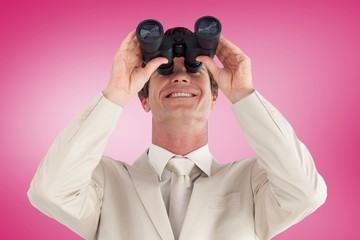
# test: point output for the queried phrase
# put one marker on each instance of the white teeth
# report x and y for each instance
(180, 95)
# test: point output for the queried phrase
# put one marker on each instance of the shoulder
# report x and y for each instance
(246, 163)
(244, 169)
(108, 162)
(109, 167)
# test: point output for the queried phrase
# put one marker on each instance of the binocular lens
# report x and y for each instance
(207, 26)
(207, 32)
(149, 31)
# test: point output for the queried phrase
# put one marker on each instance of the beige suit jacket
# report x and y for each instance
(255, 198)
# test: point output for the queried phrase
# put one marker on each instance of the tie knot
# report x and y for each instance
(180, 166)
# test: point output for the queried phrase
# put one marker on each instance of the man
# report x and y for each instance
(255, 198)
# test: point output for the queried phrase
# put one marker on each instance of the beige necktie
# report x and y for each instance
(181, 188)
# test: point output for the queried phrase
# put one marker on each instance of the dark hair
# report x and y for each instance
(144, 92)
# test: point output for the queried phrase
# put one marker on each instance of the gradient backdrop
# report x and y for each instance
(55, 57)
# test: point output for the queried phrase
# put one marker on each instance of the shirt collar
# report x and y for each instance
(159, 157)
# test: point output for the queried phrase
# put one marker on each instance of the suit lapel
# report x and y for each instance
(201, 198)
(146, 183)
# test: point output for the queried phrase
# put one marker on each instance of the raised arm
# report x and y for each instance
(66, 186)
(286, 186)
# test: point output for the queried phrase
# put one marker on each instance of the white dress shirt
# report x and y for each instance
(159, 157)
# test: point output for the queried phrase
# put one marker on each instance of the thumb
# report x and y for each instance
(209, 64)
(153, 64)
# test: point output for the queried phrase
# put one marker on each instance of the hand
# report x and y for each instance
(234, 79)
(127, 75)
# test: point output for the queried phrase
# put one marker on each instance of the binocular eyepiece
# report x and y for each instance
(203, 41)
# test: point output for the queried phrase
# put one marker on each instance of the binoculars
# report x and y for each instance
(154, 43)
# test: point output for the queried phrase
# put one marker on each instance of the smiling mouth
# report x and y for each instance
(180, 95)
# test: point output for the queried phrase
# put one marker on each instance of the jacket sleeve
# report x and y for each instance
(286, 186)
(64, 186)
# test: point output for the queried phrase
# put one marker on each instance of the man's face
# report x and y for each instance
(180, 95)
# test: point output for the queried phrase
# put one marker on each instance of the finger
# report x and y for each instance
(209, 64)
(127, 41)
(225, 44)
(130, 45)
(134, 45)
(137, 51)
(228, 52)
(153, 64)
(226, 48)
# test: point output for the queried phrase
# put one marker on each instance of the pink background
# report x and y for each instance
(55, 57)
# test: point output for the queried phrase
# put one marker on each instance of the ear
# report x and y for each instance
(145, 104)
(213, 102)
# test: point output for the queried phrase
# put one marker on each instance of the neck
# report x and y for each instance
(180, 138)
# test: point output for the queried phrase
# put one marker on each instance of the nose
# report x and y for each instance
(179, 76)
